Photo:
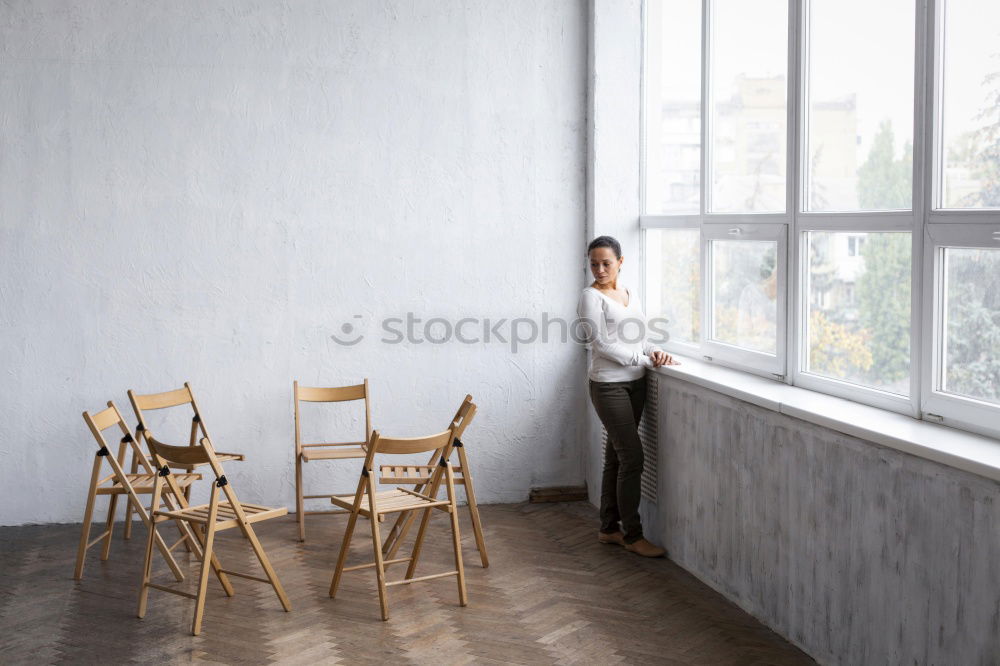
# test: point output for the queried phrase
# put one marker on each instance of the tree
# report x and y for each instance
(835, 350)
(987, 160)
(972, 359)
(883, 181)
(883, 292)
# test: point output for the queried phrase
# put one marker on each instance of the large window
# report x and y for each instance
(821, 195)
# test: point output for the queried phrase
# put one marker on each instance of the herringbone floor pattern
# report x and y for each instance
(552, 595)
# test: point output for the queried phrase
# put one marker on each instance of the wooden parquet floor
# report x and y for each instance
(552, 595)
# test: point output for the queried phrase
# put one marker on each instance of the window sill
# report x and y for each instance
(962, 450)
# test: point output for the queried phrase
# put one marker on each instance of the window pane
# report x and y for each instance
(972, 323)
(673, 106)
(859, 308)
(673, 273)
(749, 89)
(971, 105)
(744, 294)
(860, 130)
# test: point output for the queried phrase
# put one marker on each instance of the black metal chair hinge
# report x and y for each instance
(104, 451)
(127, 438)
(196, 419)
(164, 471)
(458, 443)
(443, 462)
(222, 481)
(364, 472)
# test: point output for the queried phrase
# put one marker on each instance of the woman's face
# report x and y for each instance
(604, 265)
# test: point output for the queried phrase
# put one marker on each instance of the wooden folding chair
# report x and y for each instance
(120, 483)
(167, 399)
(212, 517)
(325, 451)
(421, 476)
(367, 502)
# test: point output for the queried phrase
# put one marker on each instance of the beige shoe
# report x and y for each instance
(616, 538)
(644, 548)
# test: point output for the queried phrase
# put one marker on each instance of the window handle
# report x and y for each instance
(996, 236)
(735, 231)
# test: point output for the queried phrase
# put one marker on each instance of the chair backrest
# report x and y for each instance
(406, 445)
(108, 418)
(331, 394)
(181, 455)
(166, 400)
(464, 415)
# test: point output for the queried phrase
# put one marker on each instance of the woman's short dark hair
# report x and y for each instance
(606, 241)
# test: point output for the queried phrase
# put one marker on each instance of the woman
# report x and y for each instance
(618, 391)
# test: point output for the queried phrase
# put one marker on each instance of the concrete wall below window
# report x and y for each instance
(857, 553)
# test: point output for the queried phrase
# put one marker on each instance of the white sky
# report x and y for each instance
(857, 46)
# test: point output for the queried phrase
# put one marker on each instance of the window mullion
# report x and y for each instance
(924, 103)
(704, 176)
(798, 12)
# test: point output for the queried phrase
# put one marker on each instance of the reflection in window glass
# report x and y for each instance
(972, 323)
(673, 106)
(744, 294)
(673, 274)
(860, 124)
(970, 129)
(859, 308)
(749, 91)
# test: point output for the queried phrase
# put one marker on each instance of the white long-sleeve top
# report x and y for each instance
(612, 358)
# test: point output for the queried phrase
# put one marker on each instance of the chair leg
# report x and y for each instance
(300, 513)
(470, 496)
(112, 509)
(342, 558)
(147, 567)
(383, 597)
(198, 548)
(456, 540)
(415, 555)
(206, 566)
(266, 564)
(206, 561)
(128, 505)
(88, 516)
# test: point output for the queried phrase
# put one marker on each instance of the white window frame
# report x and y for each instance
(937, 405)
(931, 227)
(732, 355)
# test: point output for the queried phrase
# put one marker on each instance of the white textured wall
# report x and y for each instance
(206, 190)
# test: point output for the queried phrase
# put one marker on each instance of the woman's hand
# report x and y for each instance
(662, 358)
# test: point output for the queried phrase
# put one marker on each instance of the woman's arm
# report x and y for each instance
(591, 313)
